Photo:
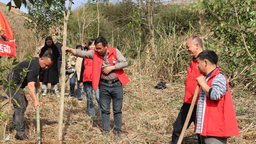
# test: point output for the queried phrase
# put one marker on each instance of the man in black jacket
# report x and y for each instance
(18, 98)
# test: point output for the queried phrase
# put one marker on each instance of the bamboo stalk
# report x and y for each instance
(98, 1)
(38, 119)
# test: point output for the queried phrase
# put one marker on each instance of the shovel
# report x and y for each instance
(189, 115)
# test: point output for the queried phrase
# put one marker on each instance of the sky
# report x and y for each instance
(74, 6)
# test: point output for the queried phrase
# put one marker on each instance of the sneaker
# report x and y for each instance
(70, 96)
(44, 92)
(79, 100)
(57, 93)
(21, 137)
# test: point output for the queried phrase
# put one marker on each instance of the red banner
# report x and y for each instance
(6, 48)
(5, 26)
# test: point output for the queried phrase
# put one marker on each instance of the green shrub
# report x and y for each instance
(181, 16)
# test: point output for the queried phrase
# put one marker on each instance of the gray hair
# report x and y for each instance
(198, 40)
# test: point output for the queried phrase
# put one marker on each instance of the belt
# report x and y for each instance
(109, 81)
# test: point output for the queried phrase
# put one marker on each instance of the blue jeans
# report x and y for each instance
(89, 96)
(73, 84)
(112, 92)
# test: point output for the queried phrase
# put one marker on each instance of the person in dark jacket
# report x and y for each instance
(50, 75)
(59, 46)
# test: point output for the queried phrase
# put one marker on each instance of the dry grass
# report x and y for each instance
(148, 115)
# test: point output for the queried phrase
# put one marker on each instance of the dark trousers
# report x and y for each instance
(112, 92)
(213, 140)
(20, 104)
(178, 125)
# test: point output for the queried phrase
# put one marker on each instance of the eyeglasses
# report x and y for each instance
(98, 49)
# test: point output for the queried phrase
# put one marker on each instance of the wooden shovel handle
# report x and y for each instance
(189, 115)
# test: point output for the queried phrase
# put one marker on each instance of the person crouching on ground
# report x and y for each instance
(216, 118)
(19, 100)
(108, 75)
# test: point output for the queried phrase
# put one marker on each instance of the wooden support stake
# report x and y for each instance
(38, 119)
(189, 115)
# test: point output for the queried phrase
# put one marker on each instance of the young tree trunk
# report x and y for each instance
(84, 21)
(83, 26)
(150, 22)
(141, 3)
(112, 39)
(79, 26)
(98, 18)
(66, 17)
(150, 49)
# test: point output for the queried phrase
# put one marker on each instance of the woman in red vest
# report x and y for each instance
(216, 118)
(86, 81)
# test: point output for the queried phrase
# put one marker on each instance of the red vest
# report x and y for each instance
(191, 83)
(219, 117)
(87, 75)
(97, 64)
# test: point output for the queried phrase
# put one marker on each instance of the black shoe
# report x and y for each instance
(80, 99)
(106, 134)
(118, 136)
(21, 137)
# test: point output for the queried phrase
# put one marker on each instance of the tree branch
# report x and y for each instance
(242, 34)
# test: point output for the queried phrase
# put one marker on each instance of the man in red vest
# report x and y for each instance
(108, 75)
(194, 46)
(216, 118)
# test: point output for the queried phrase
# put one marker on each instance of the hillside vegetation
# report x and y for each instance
(148, 114)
